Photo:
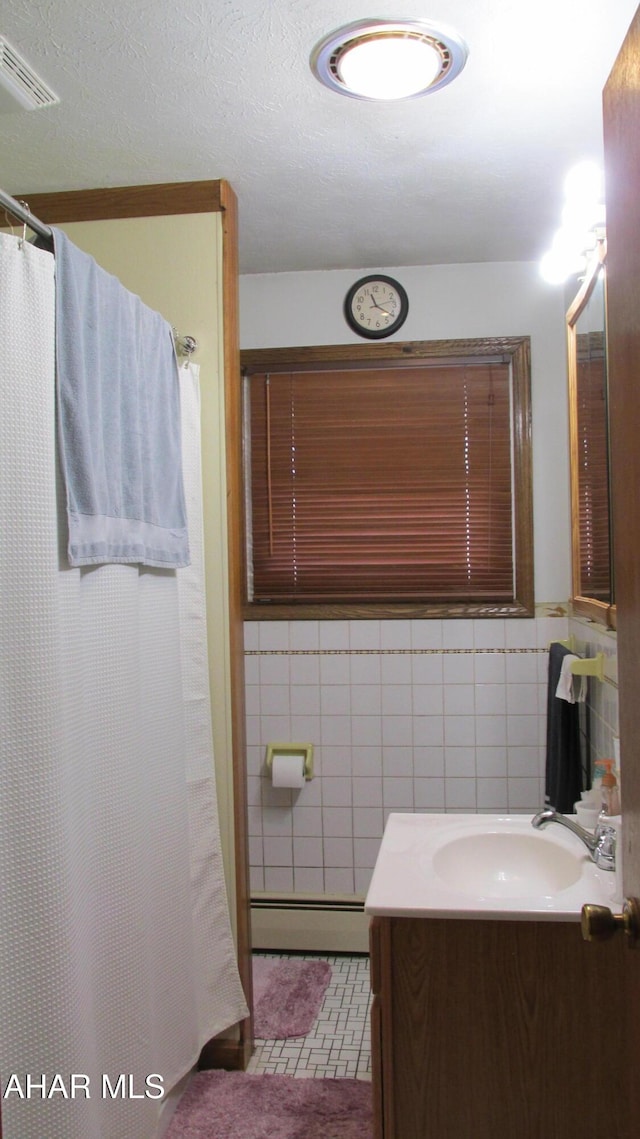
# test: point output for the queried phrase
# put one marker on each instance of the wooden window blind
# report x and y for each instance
(390, 484)
(593, 467)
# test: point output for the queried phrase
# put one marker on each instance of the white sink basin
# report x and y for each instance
(507, 865)
(489, 866)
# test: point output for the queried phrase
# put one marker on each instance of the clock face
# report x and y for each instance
(376, 306)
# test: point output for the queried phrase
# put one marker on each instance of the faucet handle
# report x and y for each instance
(604, 853)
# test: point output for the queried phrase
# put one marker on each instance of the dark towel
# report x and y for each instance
(564, 762)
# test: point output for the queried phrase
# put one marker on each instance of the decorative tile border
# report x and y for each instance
(385, 652)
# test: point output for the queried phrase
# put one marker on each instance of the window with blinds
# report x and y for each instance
(392, 484)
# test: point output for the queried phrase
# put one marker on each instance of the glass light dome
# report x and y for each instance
(388, 59)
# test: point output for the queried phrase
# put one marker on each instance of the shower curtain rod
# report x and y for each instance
(185, 345)
(23, 214)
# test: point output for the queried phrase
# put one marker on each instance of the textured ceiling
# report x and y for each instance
(154, 91)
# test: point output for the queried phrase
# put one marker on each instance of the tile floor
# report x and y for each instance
(339, 1044)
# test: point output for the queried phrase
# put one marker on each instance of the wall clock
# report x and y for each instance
(376, 306)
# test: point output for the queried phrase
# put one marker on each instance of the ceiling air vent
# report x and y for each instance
(19, 84)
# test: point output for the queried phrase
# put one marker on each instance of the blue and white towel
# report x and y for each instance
(118, 419)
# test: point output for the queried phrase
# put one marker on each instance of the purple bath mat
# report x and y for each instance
(287, 995)
(230, 1105)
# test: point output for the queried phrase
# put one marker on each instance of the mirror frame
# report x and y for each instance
(601, 611)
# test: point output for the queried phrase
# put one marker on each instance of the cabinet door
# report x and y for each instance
(376, 1066)
(381, 1041)
(498, 1031)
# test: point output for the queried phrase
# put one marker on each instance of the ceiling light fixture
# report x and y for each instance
(388, 59)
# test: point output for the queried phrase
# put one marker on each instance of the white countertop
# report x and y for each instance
(421, 855)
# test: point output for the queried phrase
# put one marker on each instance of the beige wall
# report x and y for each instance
(175, 265)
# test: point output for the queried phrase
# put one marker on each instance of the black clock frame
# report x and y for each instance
(372, 333)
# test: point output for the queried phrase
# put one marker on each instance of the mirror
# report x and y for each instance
(589, 448)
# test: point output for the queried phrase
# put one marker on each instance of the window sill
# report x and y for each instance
(383, 611)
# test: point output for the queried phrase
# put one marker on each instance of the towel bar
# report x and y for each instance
(570, 643)
(589, 666)
(586, 666)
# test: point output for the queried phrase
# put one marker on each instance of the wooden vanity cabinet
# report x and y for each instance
(496, 1030)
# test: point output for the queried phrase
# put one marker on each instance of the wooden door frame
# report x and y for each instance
(621, 118)
(166, 199)
(621, 102)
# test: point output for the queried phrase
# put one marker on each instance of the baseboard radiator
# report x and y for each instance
(314, 923)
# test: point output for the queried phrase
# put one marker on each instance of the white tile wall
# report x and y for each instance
(599, 721)
(404, 716)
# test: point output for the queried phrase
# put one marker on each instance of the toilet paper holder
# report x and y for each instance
(305, 750)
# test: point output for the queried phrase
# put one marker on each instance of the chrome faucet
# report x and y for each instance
(601, 844)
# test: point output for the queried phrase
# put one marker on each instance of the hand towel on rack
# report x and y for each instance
(118, 419)
(571, 688)
(563, 774)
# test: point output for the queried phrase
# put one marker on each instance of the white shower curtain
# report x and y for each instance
(116, 956)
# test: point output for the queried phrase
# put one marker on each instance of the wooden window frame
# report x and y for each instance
(514, 350)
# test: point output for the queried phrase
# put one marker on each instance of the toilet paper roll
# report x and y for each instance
(287, 771)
